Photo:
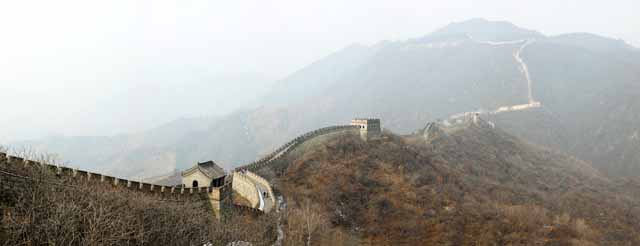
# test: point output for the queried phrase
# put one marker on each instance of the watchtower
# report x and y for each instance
(369, 128)
(203, 174)
(210, 176)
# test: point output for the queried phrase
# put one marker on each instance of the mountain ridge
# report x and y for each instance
(471, 184)
(408, 83)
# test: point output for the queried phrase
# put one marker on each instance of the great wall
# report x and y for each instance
(10, 180)
(289, 146)
(255, 190)
(242, 180)
(524, 69)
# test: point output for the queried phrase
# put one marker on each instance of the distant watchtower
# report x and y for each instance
(369, 128)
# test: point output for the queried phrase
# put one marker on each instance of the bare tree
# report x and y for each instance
(305, 223)
(44, 208)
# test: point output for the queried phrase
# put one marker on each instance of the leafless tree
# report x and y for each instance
(43, 208)
(304, 224)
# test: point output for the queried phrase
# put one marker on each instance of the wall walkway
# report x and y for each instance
(289, 146)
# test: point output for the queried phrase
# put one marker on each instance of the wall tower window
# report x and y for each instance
(195, 183)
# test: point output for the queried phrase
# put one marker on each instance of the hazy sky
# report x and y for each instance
(101, 67)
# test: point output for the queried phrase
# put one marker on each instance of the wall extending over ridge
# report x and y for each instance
(517, 55)
(246, 183)
(289, 146)
(243, 182)
(9, 179)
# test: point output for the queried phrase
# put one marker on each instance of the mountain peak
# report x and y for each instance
(484, 29)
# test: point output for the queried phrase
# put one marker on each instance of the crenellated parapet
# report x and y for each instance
(291, 145)
(369, 128)
(219, 191)
(15, 175)
(86, 176)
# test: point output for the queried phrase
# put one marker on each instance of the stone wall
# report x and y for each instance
(244, 186)
(196, 176)
(263, 182)
(243, 183)
(220, 199)
(369, 128)
(12, 180)
(289, 146)
(106, 179)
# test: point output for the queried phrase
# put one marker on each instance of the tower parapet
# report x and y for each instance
(369, 128)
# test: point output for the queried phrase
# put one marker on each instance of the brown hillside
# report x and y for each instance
(40, 207)
(470, 185)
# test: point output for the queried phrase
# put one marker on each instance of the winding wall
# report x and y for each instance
(517, 55)
(245, 182)
(289, 146)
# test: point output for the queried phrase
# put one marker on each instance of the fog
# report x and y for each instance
(108, 67)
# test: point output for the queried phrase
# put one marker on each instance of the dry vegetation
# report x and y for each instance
(469, 187)
(45, 209)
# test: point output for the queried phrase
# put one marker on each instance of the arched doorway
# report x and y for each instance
(195, 183)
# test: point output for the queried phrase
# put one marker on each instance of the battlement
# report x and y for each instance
(289, 146)
(82, 175)
(204, 178)
(13, 177)
(369, 127)
(366, 119)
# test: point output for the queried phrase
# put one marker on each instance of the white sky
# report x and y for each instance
(90, 67)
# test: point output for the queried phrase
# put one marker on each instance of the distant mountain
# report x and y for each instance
(483, 30)
(588, 86)
(468, 184)
(319, 76)
(142, 154)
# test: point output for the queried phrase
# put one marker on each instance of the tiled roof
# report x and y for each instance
(209, 168)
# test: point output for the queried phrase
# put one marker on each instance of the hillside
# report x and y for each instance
(587, 84)
(468, 185)
(43, 207)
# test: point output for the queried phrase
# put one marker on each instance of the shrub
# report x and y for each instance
(45, 209)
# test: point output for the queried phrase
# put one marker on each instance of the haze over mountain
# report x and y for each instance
(132, 102)
(587, 85)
